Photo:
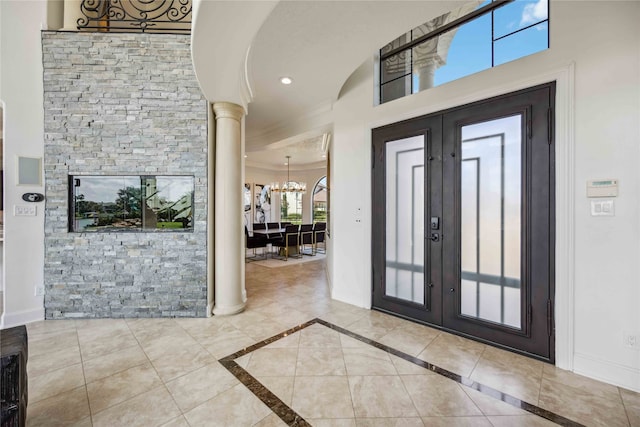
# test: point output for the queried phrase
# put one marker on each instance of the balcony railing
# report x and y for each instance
(158, 16)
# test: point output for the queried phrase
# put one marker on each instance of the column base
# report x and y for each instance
(228, 310)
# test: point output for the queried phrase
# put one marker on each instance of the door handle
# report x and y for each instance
(435, 237)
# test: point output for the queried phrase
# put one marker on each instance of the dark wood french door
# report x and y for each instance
(463, 220)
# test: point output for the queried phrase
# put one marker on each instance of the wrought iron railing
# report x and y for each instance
(160, 16)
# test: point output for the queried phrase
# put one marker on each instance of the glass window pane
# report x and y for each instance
(320, 201)
(107, 203)
(168, 202)
(463, 51)
(395, 89)
(517, 15)
(396, 66)
(526, 42)
(490, 213)
(405, 219)
(291, 206)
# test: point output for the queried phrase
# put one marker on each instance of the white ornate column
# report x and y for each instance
(229, 233)
(71, 14)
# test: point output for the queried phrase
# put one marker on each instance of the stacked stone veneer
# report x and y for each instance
(122, 104)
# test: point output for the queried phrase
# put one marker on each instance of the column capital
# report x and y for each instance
(228, 110)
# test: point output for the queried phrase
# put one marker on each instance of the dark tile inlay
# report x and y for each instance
(292, 418)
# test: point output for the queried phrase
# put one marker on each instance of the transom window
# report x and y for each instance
(473, 38)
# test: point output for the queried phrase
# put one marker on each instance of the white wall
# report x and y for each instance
(255, 175)
(21, 92)
(602, 39)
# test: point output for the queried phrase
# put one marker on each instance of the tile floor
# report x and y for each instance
(343, 370)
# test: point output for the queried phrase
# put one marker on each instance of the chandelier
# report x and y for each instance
(289, 186)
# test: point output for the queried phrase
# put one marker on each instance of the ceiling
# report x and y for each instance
(319, 44)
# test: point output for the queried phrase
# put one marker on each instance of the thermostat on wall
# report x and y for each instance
(602, 188)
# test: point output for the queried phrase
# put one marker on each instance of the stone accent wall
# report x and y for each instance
(122, 104)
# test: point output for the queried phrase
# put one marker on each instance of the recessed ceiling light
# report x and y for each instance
(286, 80)
(245, 156)
(286, 164)
(324, 156)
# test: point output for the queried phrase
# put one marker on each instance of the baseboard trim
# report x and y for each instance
(10, 320)
(602, 370)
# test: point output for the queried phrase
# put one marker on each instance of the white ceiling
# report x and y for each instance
(319, 44)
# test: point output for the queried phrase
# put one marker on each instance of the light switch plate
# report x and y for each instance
(24, 210)
(603, 208)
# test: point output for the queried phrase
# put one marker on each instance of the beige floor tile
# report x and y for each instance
(234, 407)
(453, 353)
(320, 361)
(90, 327)
(202, 328)
(410, 338)
(146, 330)
(282, 387)
(180, 421)
(264, 329)
(438, 396)
(122, 386)
(404, 367)
(154, 407)
(273, 362)
(296, 317)
(63, 409)
(47, 362)
(340, 422)
(227, 342)
(201, 385)
(246, 319)
(172, 345)
(243, 361)
(582, 405)
(380, 397)
(631, 402)
(318, 336)
(374, 326)
(322, 397)
(389, 422)
(510, 373)
(520, 421)
(457, 422)
(271, 421)
(112, 363)
(367, 360)
(105, 342)
(55, 382)
(186, 360)
(348, 342)
(48, 328)
(490, 405)
(341, 318)
(61, 340)
(290, 341)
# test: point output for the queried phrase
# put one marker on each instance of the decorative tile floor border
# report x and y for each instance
(292, 418)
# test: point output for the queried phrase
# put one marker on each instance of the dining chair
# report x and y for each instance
(306, 238)
(319, 231)
(254, 242)
(290, 239)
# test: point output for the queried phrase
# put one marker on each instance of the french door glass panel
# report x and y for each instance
(490, 213)
(404, 269)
